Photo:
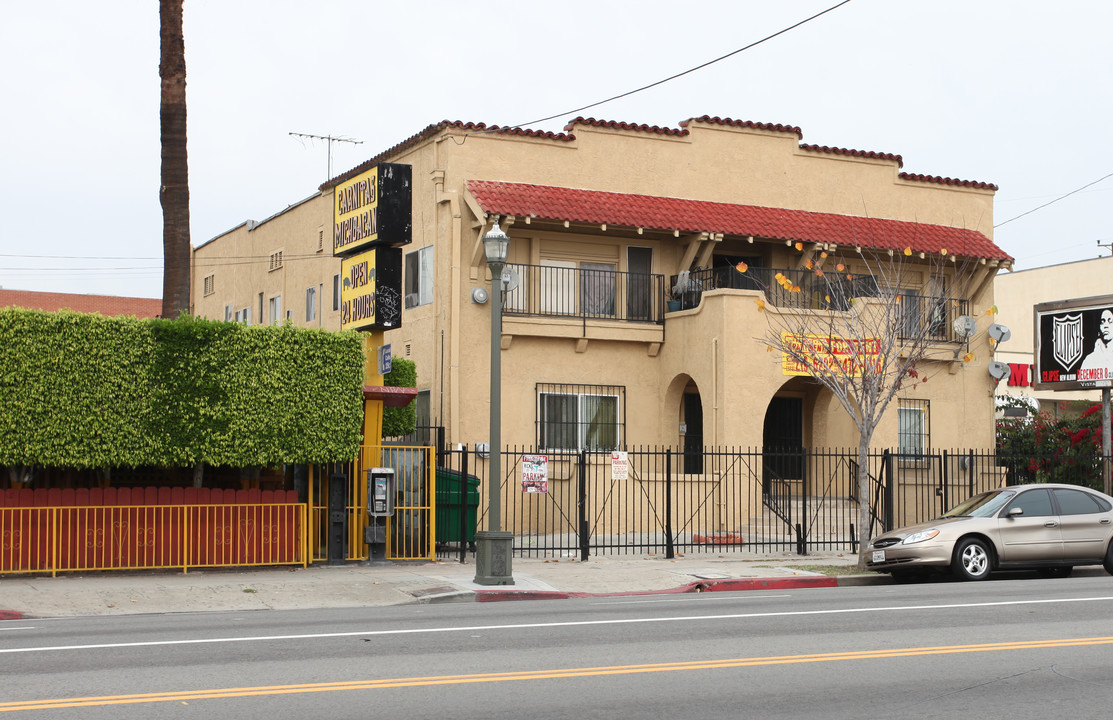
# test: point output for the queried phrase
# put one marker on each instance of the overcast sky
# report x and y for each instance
(1013, 92)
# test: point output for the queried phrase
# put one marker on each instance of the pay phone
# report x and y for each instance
(380, 505)
(380, 492)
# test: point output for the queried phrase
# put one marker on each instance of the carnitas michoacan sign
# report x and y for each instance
(370, 290)
(372, 209)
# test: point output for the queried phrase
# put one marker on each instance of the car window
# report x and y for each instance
(984, 505)
(1035, 503)
(1077, 502)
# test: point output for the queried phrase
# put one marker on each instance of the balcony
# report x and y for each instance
(936, 315)
(583, 294)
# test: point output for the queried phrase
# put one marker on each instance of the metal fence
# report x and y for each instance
(668, 501)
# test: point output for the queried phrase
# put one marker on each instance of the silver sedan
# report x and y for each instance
(1045, 527)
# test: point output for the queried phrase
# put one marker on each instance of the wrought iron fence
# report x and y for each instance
(758, 500)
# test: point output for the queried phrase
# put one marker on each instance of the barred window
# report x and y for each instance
(913, 428)
(580, 417)
(210, 284)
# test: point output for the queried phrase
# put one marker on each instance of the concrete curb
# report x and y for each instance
(11, 615)
(727, 585)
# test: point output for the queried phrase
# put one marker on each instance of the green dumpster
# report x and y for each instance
(457, 505)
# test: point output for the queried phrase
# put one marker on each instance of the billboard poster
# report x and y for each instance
(372, 209)
(535, 473)
(371, 290)
(1074, 344)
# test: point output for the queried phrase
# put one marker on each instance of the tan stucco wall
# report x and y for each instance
(712, 347)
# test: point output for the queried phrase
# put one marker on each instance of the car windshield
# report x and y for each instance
(984, 505)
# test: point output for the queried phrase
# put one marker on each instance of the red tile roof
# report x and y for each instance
(665, 213)
(109, 305)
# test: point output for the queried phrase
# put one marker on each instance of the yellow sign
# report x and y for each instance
(355, 212)
(838, 355)
(357, 291)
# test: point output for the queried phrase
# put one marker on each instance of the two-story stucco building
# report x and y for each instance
(604, 219)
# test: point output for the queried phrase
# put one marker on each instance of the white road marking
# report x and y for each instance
(525, 626)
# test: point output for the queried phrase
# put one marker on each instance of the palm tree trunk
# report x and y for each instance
(174, 193)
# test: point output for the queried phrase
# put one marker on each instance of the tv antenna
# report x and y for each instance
(331, 139)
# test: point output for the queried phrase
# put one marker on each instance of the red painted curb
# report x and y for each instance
(10, 615)
(736, 584)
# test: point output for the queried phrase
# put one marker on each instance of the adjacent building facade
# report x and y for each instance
(608, 223)
(1017, 295)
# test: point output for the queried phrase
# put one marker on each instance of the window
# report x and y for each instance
(336, 292)
(913, 429)
(227, 313)
(1077, 502)
(320, 239)
(276, 261)
(210, 284)
(419, 277)
(579, 417)
(1034, 503)
(310, 304)
(274, 310)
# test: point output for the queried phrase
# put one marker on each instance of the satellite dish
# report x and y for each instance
(965, 326)
(999, 333)
(998, 370)
(510, 279)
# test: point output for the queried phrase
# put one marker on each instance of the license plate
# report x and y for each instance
(878, 556)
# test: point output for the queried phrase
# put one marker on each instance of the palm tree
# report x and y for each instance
(174, 193)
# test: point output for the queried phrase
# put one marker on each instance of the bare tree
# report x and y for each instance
(174, 192)
(864, 322)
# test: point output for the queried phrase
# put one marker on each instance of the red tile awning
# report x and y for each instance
(546, 202)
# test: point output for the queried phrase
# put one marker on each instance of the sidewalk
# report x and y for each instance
(382, 584)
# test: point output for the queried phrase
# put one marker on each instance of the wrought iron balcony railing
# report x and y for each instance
(588, 291)
(930, 317)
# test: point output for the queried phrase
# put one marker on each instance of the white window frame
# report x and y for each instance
(556, 438)
(418, 272)
(310, 304)
(274, 310)
(913, 430)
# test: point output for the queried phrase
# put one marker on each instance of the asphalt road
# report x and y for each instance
(1013, 648)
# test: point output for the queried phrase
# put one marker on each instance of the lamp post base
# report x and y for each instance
(493, 558)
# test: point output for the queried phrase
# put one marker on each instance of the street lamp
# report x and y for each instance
(493, 546)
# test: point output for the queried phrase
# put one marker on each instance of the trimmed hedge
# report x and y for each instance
(400, 421)
(85, 391)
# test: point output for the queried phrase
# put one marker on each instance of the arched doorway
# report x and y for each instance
(692, 407)
(783, 442)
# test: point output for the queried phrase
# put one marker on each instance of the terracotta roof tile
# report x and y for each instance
(949, 181)
(665, 213)
(109, 305)
(854, 153)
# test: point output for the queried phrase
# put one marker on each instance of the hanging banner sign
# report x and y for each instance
(1074, 344)
(829, 353)
(535, 473)
(373, 208)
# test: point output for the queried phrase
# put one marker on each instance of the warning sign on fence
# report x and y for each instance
(620, 465)
(535, 473)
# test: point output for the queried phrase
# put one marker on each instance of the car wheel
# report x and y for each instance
(1059, 571)
(972, 560)
(1108, 563)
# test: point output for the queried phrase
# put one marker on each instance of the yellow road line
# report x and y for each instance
(189, 695)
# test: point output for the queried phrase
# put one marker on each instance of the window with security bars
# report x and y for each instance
(580, 417)
(913, 429)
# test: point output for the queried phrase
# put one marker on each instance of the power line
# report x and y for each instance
(686, 72)
(1051, 202)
